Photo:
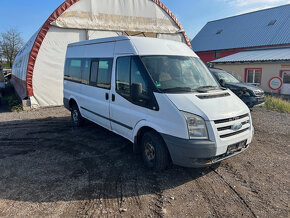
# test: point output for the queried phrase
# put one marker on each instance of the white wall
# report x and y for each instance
(269, 70)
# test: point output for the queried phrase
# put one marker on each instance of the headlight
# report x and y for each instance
(196, 126)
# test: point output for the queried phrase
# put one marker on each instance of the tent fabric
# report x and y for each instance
(39, 39)
(116, 16)
(40, 71)
(48, 71)
(20, 65)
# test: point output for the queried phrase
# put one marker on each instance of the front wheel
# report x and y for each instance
(76, 117)
(154, 151)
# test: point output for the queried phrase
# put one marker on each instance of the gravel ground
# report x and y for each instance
(49, 169)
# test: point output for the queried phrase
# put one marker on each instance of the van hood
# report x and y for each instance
(244, 85)
(210, 106)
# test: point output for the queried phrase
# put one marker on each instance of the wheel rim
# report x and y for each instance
(149, 151)
(75, 116)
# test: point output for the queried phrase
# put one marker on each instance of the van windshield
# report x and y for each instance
(228, 78)
(179, 74)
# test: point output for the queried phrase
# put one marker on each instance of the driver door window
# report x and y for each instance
(138, 75)
(130, 70)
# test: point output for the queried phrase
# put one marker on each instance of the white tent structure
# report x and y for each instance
(38, 68)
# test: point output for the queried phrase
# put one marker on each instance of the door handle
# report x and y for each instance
(107, 96)
(113, 97)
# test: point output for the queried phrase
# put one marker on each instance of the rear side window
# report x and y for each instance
(75, 68)
(86, 71)
(104, 73)
(94, 72)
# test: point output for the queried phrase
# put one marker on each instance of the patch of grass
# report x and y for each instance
(277, 104)
(14, 104)
(5, 66)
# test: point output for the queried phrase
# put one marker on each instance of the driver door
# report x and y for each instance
(126, 112)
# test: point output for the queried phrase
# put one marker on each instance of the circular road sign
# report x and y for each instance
(275, 83)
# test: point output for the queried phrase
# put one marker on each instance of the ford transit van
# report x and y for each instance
(159, 95)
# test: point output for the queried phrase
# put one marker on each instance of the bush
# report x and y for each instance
(13, 103)
(277, 104)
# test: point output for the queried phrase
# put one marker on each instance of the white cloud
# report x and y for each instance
(245, 3)
(245, 6)
(253, 9)
(241, 3)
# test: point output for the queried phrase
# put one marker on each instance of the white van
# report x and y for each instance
(159, 95)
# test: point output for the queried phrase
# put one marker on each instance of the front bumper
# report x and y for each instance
(252, 101)
(199, 153)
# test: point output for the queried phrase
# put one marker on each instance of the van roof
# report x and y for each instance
(144, 45)
(101, 40)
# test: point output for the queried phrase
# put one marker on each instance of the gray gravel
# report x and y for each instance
(49, 169)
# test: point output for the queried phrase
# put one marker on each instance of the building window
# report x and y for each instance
(217, 54)
(253, 76)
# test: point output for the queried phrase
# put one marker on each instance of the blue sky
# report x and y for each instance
(28, 15)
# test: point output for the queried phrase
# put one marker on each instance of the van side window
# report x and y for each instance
(138, 75)
(75, 67)
(133, 82)
(123, 76)
(104, 73)
(86, 71)
(94, 73)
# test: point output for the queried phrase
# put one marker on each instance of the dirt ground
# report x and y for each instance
(49, 169)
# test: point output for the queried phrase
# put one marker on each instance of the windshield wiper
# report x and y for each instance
(206, 88)
(178, 89)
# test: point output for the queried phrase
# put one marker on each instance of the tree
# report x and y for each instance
(10, 44)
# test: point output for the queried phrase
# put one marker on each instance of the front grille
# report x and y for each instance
(233, 126)
(231, 119)
(230, 127)
(233, 133)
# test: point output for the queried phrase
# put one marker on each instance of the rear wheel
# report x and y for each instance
(76, 117)
(154, 151)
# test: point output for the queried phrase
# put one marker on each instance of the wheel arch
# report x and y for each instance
(72, 101)
(142, 127)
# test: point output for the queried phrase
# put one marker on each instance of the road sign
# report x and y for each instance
(275, 83)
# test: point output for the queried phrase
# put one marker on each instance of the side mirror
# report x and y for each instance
(136, 91)
(222, 82)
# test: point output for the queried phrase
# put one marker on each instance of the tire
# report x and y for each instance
(154, 151)
(76, 117)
